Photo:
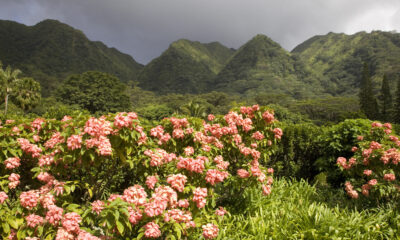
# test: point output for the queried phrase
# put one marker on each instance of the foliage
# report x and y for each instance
(387, 101)
(26, 94)
(336, 141)
(368, 102)
(114, 177)
(94, 91)
(185, 67)
(50, 51)
(328, 110)
(373, 168)
(298, 151)
(297, 210)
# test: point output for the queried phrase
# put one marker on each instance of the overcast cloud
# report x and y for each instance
(145, 28)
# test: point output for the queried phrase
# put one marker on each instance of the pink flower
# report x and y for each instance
(268, 117)
(367, 172)
(199, 195)
(354, 149)
(375, 145)
(63, 234)
(210, 117)
(134, 215)
(258, 135)
(47, 200)
(54, 215)
(266, 189)
(220, 211)
(45, 177)
(360, 138)
(189, 151)
(83, 235)
(177, 215)
(74, 142)
(278, 133)
(376, 124)
(124, 119)
(178, 133)
(14, 180)
(151, 181)
(34, 220)
(210, 231)
(46, 160)
(98, 127)
(214, 176)
(177, 181)
(372, 182)
(136, 195)
(183, 203)
(97, 206)
(12, 163)
(387, 125)
(71, 222)
(36, 138)
(54, 140)
(29, 199)
(152, 230)
(3, 197)
(243, 173)
(389, 177)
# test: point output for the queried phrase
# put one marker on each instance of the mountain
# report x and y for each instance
(50, 51)
(337, 59)
(185, 67)
(263, 66)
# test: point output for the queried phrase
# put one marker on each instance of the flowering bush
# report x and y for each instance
(115, 177)
(373, 169)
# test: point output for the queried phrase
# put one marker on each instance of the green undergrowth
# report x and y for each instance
(298, 210)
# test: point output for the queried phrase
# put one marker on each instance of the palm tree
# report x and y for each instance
(194, 109)
(27, 93)
(7, 77)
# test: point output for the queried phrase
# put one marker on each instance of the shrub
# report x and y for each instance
(114, 177)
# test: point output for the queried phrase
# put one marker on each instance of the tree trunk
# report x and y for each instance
(5, 109)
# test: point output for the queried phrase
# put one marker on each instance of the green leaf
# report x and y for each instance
(120, 227)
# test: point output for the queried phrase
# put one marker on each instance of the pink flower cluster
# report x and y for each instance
(34, 220)
(97, 127)
(37, 124)
(97, 206)
(136, 195)
(350, 190)
(199, 197)
(159, 157)
(124, 119)
(102, 143)
(3, 197)
(178, 216)
(177, 181)
(343, 162)
(214, 176)
(14, 180)
(29, 199)
(74, 142)
(190, 164)
(152, 230)
(29, 148)
(151, 181)
(55, 139)
(12, 163)
(134, 215)
(70, 222)
(210, 231)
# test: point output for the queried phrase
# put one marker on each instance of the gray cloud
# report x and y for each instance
(145, 28)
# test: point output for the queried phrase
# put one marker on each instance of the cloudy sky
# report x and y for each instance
(145, 28)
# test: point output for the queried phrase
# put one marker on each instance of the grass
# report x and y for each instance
(297, 210)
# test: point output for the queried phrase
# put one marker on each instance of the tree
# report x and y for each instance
(387, 101)
(94, 91)
(7, 78)
(368, 102)
(397, 106)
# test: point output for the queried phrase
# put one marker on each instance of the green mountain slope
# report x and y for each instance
(185, 67)
(337, 59)
(50, 51)
(263, 66)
